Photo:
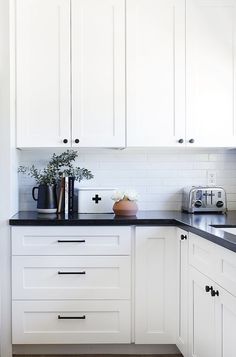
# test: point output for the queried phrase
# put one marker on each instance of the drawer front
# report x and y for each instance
(202, 255)
(71, 277)
(218, 263)
(71, 240)
(226, 269)
(75, 322)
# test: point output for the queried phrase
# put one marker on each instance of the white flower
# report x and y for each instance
(117, 196)
(131, 195)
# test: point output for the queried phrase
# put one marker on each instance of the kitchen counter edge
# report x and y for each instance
(200, 224)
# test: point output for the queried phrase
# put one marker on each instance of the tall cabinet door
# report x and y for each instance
(210, 59)
(201, 316)
(155, 289)
(155, 72)
(98, 73)
(42, 73)
(182, 291)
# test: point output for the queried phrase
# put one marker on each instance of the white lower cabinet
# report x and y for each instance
(75, 289)
(155, 285)
(212, 318)
(225, 317)
(73, 322)
(182, 291)
(44, 241)
(77, 277)
(147, 285)
(201, 316)
(212, 300)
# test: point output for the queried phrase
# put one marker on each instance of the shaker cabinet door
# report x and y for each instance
(202, 328)
(210, 73)
(155, 73)
(98, 73)
(225, 323)
(42, 73)
(182, 291)
(155, 285)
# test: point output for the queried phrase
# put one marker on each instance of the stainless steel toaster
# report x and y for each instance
(204, 199)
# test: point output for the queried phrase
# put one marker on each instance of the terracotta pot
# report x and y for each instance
(125, 208)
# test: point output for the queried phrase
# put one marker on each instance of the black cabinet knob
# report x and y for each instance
(183, 236)
(181, 141)
(208, 288)
(77, 141)
(65, 141)
(191, 141)
(214, 293)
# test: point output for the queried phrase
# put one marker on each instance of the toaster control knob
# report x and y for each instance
(198, 204)
(219, 204)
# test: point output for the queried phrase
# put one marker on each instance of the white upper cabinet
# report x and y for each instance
(60, 105)
(42, 46)
(155, 72)
(83, 66)
(98, 73)
(210, 59)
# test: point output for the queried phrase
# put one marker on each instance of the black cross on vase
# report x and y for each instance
(96, 198)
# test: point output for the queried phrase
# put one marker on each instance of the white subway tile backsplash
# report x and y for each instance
(231, 197)
(231, 206)
(230, 189)
(228, 156)
(157, 175)
(160, 206)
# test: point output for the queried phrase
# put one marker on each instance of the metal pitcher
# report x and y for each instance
(46, 198)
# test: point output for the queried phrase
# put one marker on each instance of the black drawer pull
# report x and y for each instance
(71, 272)
(71, 317)
(183, 236)
(71, 241)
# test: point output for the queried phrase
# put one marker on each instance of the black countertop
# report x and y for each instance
(200, 224)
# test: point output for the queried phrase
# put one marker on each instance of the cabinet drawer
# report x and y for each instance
(75, 322)
(226, 269)
(202, 255)
(71, 277)
(218, 263)
(71, 240)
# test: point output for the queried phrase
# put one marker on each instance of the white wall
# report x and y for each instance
(8, 182)
(4, 180)
(157, 175)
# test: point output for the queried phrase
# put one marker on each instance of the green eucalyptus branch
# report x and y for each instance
(57, 167)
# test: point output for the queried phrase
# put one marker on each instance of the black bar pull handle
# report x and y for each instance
(83, 317)
(71, 241)
(71, 272)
